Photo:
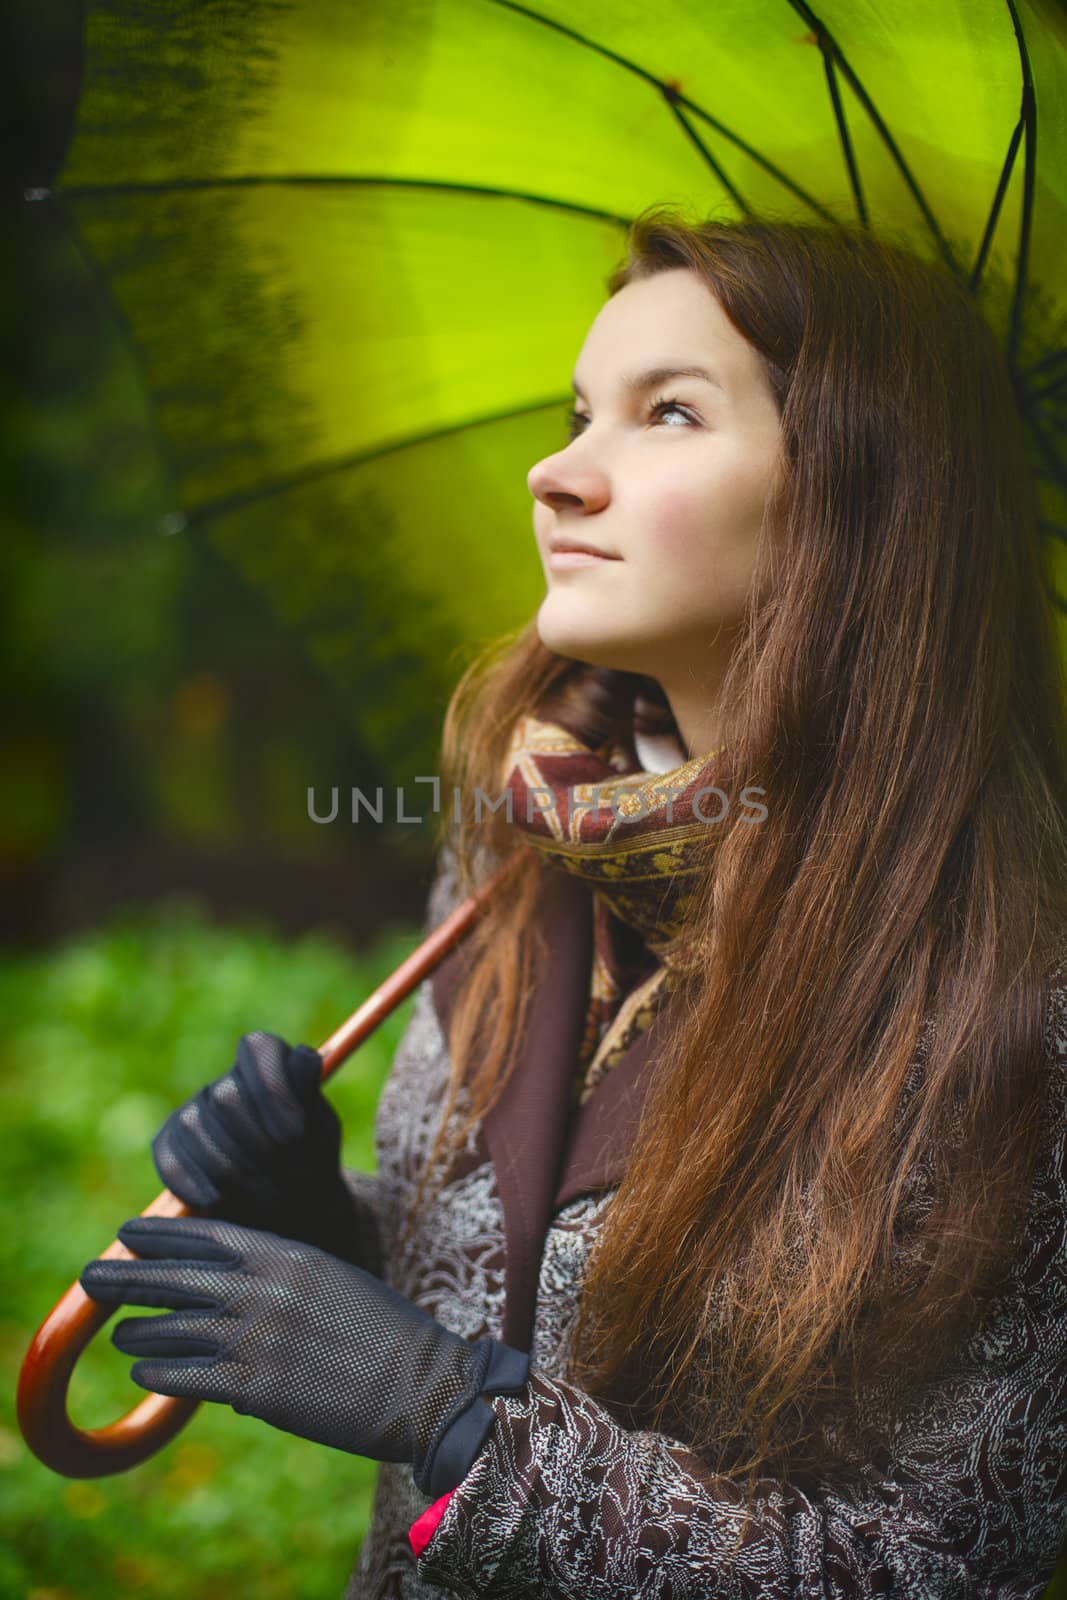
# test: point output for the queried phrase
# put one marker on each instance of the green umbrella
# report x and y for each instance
(357, 248)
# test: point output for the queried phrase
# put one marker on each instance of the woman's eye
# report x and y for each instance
(671, 405)
(576, 420)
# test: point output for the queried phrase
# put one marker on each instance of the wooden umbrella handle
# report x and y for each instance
(76, 1318)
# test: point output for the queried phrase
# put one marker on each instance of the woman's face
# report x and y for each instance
(665, 475)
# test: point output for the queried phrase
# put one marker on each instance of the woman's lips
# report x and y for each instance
(560, 560)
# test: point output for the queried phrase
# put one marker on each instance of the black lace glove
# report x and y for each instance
(310, 1344)
(262, 1146)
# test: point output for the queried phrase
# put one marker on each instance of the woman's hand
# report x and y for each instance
(262, 1146)
(304, 1341)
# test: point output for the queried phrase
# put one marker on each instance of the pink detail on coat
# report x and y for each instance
(422, 1529)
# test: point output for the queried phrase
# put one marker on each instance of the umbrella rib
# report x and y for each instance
(828, 42)
(1028, 116)
(844, 135)
(691, 133)
(325, 469)
(994, 212)
(92, 191)
(673, 95)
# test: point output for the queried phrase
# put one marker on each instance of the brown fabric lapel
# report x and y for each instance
(545, 1154)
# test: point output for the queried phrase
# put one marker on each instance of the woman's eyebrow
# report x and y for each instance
(638, 382)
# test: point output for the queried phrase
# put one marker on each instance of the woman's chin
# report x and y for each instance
(568, 638)
(563, 635)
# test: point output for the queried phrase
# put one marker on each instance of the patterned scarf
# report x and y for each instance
(633, 834)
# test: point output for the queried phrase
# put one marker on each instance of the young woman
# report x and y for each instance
(719, 1239)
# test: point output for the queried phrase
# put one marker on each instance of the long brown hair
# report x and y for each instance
(838, 1143)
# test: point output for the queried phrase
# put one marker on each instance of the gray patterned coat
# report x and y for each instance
(562, 1502)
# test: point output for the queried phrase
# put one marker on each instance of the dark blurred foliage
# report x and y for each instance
(161, 726)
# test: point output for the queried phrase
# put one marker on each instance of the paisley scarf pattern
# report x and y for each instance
(639, 838)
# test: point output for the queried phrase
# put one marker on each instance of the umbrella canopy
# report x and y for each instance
(358, 247)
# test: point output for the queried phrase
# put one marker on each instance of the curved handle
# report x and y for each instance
(76, 1318)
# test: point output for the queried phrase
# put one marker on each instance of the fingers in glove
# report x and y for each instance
(182, 1263)
(199, 1239)
(175, 1155)
(186, 1333)
(207, 1150)
(278, 1083)
(148, 1283)
(297, 1076)
(191, 1379)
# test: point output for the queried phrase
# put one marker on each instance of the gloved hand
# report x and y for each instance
(262, 1146)
(309, 1343)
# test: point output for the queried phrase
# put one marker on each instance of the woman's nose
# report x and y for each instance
(560, 482)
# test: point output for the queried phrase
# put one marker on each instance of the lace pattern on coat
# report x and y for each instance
(967, 1499)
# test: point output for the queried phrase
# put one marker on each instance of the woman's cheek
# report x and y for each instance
(678, 522)
(702, 548)
(688, 543)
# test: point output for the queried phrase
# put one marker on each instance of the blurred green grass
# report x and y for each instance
(102, 1037)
